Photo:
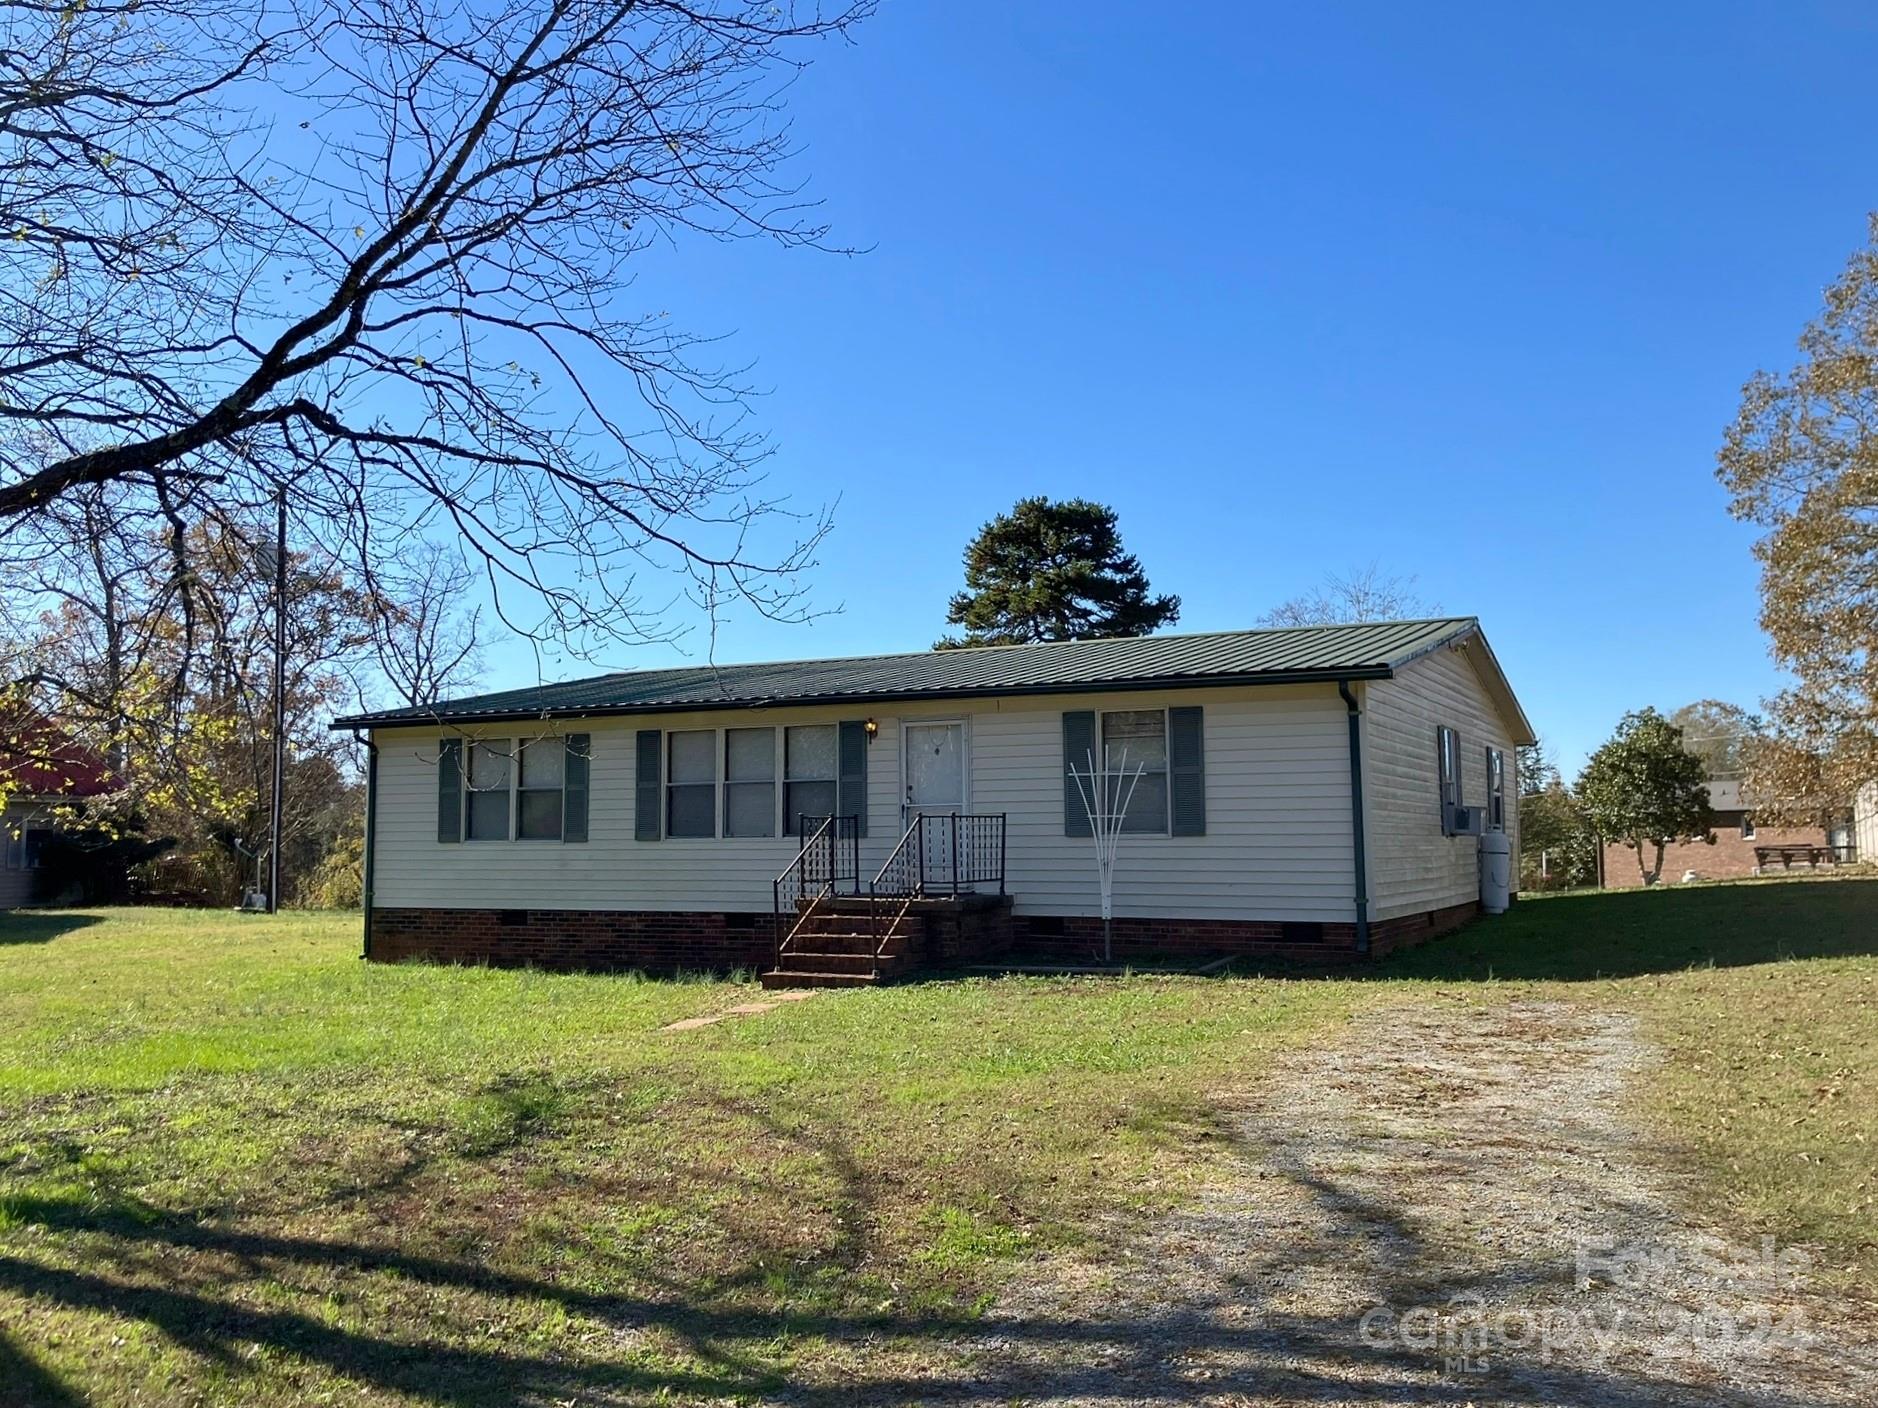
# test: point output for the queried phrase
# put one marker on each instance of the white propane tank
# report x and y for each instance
(1496, 872)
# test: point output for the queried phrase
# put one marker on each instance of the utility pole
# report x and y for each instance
(280, 696)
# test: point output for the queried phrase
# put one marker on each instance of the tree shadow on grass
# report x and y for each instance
(219, 1289)
(1627, 933)
(29, 926)
(26, 1382)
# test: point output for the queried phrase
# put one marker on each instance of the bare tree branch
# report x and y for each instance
(382, 251)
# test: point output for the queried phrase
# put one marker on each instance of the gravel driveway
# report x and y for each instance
(1450, 1208)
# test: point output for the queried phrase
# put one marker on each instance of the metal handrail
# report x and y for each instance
(971, 852)
(818, 867)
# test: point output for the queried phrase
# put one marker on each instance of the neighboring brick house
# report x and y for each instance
(1739, 840)
(42, 768)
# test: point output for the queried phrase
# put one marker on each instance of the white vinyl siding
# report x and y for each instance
(1277, 844)
(1413, 866)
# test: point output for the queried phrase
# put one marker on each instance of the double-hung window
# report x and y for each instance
(1136, 739)
(23, 847)
(512, 789)
(691, 793)
(1496, 790)
(749, 782)
(539, 793)
(487, 811)
(809, 774)
(1448, 759)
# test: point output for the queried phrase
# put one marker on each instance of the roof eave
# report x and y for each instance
(1470, 635)
(1262, 678)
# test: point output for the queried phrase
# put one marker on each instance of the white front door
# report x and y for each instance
(935, 767)
(935, 786)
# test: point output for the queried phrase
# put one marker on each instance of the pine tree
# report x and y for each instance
(1053, 571)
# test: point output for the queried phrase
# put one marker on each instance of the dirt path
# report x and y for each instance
(1449, 1209)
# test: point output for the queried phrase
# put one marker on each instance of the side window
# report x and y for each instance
(1496, 789)
(1747, 827)
(487, 813)
(810, 759)
(691, 792)
(1448, 758)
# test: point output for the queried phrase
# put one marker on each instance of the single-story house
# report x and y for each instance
(1316, 792)
(43, 771)
(1739, 844)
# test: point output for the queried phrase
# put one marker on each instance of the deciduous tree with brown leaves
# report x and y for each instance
(1801, 460)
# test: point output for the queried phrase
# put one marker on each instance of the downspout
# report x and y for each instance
(371, 831)
(1359, 853)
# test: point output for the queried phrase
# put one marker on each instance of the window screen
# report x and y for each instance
(1134, 738)
(809, 774)
(749, 782)
(1448, 755)
(488, 794)
(539, 800)
(691, 796)
(1496, 789)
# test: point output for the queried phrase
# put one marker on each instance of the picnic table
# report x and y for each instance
(1790, 856)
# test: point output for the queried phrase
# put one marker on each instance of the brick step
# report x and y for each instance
(790, 978)
(852, 924)
(846, 943)
(819, 961)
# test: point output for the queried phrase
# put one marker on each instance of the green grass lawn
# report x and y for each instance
(237, 1165)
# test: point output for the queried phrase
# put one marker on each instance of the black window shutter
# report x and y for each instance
(574, 786)
(851, 771)
(450, 789)
(1186, 770)
(1079, 745)
(648, 788)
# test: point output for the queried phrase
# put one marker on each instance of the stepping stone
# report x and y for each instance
(750, 1009)
(690, 1024)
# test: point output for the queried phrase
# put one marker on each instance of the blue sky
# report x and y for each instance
(1468, 292)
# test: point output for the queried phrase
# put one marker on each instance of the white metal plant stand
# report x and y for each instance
(1106, 793)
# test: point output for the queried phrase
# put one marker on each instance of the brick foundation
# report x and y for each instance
(576, 939)
(658, 942)
(1078, 939)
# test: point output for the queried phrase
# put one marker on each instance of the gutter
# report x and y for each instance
(371, 833)
(1359, 853)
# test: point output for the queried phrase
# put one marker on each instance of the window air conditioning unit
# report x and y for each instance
(1467, 821)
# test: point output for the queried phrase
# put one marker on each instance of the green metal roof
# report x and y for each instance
(1311, 653)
